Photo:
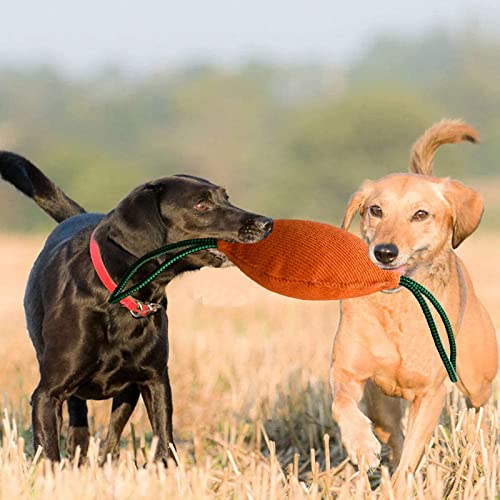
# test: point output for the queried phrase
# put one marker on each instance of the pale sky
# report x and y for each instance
(78, 36)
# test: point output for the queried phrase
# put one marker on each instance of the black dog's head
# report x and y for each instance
(180, 208)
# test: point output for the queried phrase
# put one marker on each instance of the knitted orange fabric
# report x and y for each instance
(311, 261)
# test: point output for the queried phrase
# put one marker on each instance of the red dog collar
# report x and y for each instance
(137, 308)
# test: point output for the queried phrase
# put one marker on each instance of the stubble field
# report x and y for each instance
(249, 373)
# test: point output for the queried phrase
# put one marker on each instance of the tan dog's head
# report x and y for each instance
(407, 219)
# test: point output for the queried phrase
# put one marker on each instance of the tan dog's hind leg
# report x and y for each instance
(477, 354)
(477, 360)
(422, 420)
(386, 413)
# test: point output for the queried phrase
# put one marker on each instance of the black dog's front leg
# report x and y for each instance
(45, 423)
(157, 396)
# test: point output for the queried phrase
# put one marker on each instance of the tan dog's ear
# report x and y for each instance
(356, 203)
(467, 209)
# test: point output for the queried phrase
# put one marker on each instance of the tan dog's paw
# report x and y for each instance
(364, 448)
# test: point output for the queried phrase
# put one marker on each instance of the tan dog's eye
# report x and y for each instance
(420, 215)
(202, 206)
(376, 211)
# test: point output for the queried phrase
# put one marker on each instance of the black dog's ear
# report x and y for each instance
(136, 223)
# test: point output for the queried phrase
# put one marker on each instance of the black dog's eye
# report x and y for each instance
(376, 211)
(420, 215)
(202, 206)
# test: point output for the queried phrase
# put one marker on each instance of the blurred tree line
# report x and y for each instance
(288, 141)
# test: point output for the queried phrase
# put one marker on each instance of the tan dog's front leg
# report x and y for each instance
(355, 427)
(422, 419)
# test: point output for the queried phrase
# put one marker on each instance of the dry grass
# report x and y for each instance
(249, 372)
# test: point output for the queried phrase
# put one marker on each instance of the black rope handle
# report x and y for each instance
(419, 292)
(193, 246)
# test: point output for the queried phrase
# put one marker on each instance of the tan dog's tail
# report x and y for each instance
(443, 132)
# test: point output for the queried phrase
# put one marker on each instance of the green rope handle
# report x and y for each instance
(193, 246)
(419, 291)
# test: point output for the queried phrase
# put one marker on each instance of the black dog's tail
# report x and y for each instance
(33, 183)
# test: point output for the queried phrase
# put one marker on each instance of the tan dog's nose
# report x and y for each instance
(386, 252)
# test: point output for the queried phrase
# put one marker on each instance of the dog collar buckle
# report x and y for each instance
(144, 309)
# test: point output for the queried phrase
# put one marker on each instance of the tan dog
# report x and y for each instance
(383, 349)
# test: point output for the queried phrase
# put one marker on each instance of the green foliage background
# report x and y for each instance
(288, 141)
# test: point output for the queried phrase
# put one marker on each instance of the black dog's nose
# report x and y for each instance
(263, 223)
(386, 252)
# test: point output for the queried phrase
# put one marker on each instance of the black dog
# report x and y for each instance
(89, 349)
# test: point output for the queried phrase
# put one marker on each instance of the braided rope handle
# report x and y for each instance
(193, 246)
(419, 292)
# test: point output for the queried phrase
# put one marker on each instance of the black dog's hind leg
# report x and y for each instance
(78, 431)
(45, 409)
(157, 396)
(123, 406)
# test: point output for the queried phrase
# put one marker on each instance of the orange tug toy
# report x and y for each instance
(305, 260)
(310, 261)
